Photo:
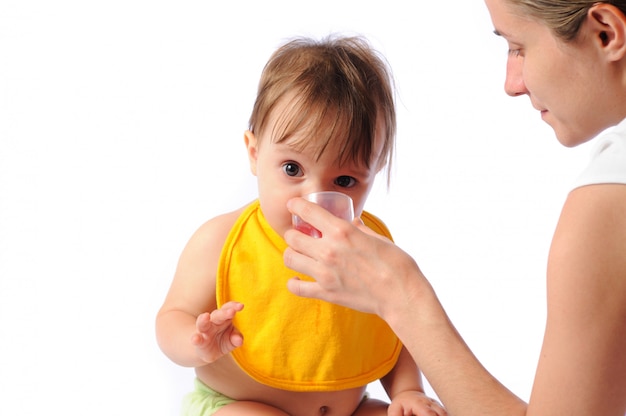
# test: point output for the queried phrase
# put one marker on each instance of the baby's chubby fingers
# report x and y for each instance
(203, 322)
(225, 313)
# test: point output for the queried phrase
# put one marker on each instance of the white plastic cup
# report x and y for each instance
(337, 203)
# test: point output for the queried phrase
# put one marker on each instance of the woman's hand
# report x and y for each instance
(352, 265)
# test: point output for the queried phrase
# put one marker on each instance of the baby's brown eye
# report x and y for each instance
(292, 169)
(345, 181)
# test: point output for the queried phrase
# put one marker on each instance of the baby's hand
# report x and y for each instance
(415, 403)
(216, 336)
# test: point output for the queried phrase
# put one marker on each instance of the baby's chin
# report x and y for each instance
(281, 229)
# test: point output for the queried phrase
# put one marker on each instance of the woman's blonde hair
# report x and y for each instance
(336, 90)
(563, 17)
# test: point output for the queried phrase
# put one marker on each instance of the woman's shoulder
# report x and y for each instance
(585, 336)
(592, 229)
(587, 261)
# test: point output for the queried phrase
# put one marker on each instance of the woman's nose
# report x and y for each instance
(514, 83)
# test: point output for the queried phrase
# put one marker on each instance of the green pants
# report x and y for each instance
(203, 401)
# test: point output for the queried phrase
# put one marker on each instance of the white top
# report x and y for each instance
(608, 158)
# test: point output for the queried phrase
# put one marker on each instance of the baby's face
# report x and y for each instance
(284, 172)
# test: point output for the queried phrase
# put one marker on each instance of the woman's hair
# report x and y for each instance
(563, 17)
(337, 90)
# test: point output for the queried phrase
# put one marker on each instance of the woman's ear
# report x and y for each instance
(251, 146)
(608, 26)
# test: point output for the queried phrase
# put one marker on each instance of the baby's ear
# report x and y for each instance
(608, 26)
(251, 146)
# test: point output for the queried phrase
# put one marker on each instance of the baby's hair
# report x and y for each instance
(333, 89)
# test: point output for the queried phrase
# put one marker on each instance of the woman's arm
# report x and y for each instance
(582, 368)
(355, 268)
(404, 387)
(463, 385)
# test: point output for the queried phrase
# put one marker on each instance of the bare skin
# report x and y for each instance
(192, 332)
(218, 370)
(582, 368)
(579, 88)
(292, 153)
(211, 337)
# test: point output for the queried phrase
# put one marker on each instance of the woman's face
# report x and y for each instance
(565, 81)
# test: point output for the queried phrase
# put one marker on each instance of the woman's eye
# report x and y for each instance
(345, 181)
(515, 52)
(292, 169)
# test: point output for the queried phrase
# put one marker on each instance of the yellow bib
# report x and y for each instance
(294, 343)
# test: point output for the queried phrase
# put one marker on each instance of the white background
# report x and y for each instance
(121, 131)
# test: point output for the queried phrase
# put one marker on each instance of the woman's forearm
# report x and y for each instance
(463, 385)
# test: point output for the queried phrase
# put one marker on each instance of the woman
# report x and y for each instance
(569, 58)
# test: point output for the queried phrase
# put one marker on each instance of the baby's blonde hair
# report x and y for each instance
(335, 89)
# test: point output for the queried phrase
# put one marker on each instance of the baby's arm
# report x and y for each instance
(404, 386)
(183, 325)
